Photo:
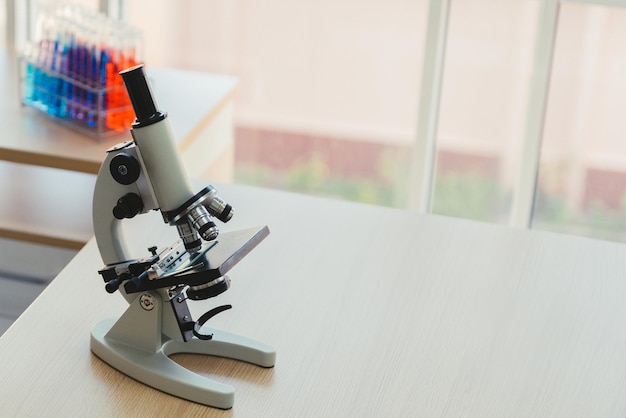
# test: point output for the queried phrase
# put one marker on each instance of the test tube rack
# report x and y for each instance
(71, 72)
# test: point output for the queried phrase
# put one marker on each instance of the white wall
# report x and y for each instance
(346, 68)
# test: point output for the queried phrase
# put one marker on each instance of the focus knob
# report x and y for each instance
(125, 169)
(128, 206)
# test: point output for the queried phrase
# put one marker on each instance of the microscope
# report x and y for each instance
(145, 175)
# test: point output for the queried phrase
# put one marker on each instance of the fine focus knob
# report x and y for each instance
(124, 169)
(128, 206)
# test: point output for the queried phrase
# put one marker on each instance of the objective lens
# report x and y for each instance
(220, 209)
(190, 237)
(201, 221)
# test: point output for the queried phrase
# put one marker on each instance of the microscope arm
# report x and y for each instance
(107, 214)
(107, 228)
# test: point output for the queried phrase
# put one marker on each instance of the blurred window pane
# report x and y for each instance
(3, 22)
(487, 70)
(582, 177)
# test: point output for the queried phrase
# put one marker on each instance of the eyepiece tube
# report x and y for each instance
(141, 96)
(155, 142)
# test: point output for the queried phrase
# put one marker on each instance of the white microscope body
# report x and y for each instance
(143, 175)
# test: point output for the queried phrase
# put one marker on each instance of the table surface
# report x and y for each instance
(27, 140)
(373, 312)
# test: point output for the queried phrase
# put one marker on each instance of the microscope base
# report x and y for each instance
(156, 369)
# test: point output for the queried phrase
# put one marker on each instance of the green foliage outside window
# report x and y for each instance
(465, 195)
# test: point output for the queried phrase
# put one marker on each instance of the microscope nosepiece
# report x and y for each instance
(194, 217)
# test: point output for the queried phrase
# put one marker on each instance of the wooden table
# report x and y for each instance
(373, 311)
(35, 209)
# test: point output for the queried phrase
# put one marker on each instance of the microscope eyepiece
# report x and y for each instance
(141, 96)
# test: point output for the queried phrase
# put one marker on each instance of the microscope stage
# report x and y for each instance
(214, 260)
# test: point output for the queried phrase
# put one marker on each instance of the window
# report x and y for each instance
(328, 97)
(581, 187)
(329, 93)
(487, 68)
